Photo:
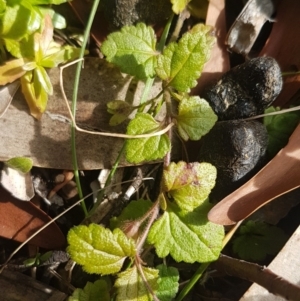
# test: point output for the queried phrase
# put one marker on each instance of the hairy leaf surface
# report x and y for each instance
(97, 291)
(181, 63)
(167, 283)
(98, 249)
(195, 118)
(189, 183)
(145, 149)
(186, 236)
(133, 50)
(131, 287)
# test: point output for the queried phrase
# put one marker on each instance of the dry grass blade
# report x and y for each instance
(107, 134)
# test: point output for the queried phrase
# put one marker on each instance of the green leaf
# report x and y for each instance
(38, 259)
(195, 118)
(179, 5)
(97, 291)
(133, 50)
(189, 183)
(42, 77)
(11, 71)
(133, 211)
(186, 236)
(35, 20)
(47, 2)
(181, 64)
(58, 20)
(42, 40)
(36, 100)
(15, 22)
(144, 149)
(21, 48)
(2, 7)
(57, 55)
(21, 164)
(279, 127)
(167, 283)
(29, 262)
(131, 287)
(98, 249)
(121, 110)
(257, 240)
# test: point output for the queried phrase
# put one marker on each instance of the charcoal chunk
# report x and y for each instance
(245, 90)
(237, 149)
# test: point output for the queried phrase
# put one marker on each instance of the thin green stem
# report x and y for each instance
(192, 281)
(163, 39)
(147, 88)
(167, 99)
(110, 176)
(74, 102)
(290, 73)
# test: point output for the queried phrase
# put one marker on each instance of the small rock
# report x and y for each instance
(237, 149)
(245, 90)
(128, 12)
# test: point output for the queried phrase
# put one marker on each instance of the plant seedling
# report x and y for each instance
(182, 230)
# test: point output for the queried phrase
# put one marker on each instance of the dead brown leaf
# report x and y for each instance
(19, 220)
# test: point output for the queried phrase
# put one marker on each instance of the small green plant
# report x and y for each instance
(38, 259)
(26, 32)
(279, 127)
(256, 240)
(21, 164)
(182, 229)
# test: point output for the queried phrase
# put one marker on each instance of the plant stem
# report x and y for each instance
(152, 215)
(167, 98)
(290, 73)
(163, 39)
(181, 18)
(110, 176)
(74, 101)
(192, 281)
(141, 272)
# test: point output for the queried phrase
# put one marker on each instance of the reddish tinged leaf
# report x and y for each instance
(36, 103)
(280, 176)
(11, 71)
(44, 39)
(19, 220)
(189, 183)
